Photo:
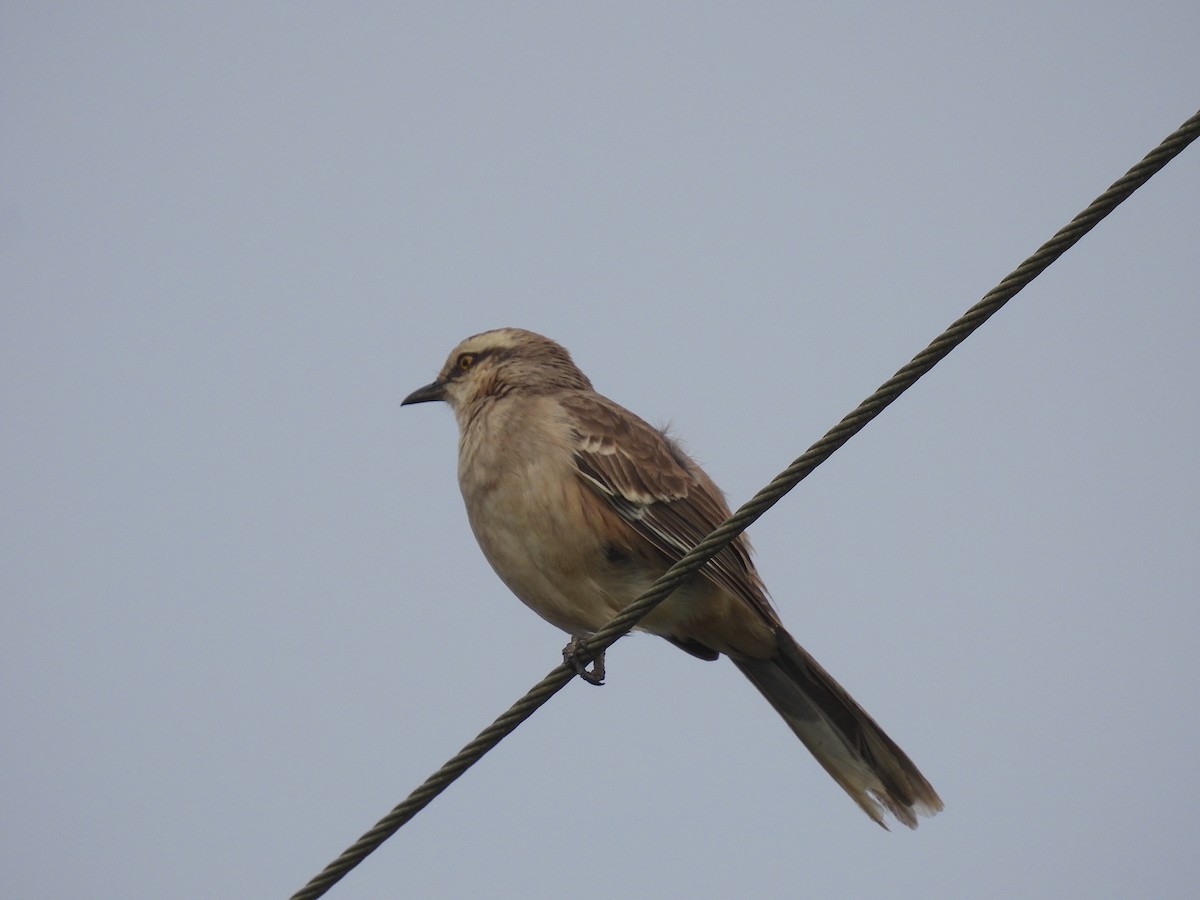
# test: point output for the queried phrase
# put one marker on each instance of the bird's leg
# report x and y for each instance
(577, 655)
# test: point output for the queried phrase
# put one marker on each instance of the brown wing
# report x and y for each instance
(659, 491)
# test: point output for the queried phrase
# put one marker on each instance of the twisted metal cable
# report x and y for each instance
(692, 561)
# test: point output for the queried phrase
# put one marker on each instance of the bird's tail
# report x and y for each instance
(840, 734)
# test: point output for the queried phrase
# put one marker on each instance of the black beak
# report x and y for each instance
(433, 391)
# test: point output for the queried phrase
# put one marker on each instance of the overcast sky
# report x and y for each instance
(243, 614)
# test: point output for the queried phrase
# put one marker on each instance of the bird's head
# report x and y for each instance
(496, 363)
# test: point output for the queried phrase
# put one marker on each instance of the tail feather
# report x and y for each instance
(838, 732)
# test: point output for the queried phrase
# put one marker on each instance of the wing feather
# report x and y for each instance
(655, 487)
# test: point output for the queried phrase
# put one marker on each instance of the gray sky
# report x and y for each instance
(243, 614)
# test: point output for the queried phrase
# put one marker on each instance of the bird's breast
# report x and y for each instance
(532, 524)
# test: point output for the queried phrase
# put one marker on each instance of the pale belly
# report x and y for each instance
(551, 560)
(555, 553)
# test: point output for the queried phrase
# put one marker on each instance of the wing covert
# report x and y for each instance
(655, 487)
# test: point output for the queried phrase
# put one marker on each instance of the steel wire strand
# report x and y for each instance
(694, 559)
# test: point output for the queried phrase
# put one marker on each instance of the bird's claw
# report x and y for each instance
(577, 655)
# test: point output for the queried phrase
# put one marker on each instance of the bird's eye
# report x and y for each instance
(465, 361)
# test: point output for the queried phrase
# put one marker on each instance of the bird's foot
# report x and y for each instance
(577, 655)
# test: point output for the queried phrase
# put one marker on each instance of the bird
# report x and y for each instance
(579, 505)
